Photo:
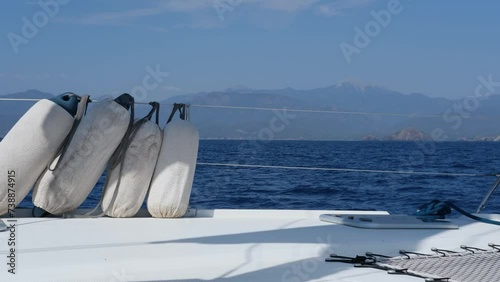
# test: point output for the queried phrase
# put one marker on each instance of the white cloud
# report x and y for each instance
(127, 16)
(337, 7)
(187, 5)
(205, 9)
(20, 76)
(34, 76)
(113, 18)
(159, 29)
(286, 5)
(171, 88)
(277, 5)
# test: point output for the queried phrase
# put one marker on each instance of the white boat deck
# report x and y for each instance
(217, 245)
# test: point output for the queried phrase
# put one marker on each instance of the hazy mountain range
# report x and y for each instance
(396, 112)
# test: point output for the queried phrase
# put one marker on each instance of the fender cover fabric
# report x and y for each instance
(133, 176)
(64, 188)
(30, 145)
(170, 189)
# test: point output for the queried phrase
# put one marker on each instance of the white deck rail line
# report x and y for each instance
(307, 168)
(346, 169)
(316, 111)
(281, 109)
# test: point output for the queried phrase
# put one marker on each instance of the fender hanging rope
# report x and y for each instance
(182, 112)
(81, 111)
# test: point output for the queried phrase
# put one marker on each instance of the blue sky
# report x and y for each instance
(438, 48)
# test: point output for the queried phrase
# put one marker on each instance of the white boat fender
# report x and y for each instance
(128, 179)
(31, 144)
(70, 178)
(172, 182)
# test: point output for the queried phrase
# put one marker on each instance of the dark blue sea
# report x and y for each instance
(270, 188)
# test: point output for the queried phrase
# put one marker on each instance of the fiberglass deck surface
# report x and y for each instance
(220, 245)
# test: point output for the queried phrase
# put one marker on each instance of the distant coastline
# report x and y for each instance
(340, 112)
(405, 135)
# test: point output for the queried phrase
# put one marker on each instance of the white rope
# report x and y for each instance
(281, 109)
(344, 169)
(323, 111)
(20, 99)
